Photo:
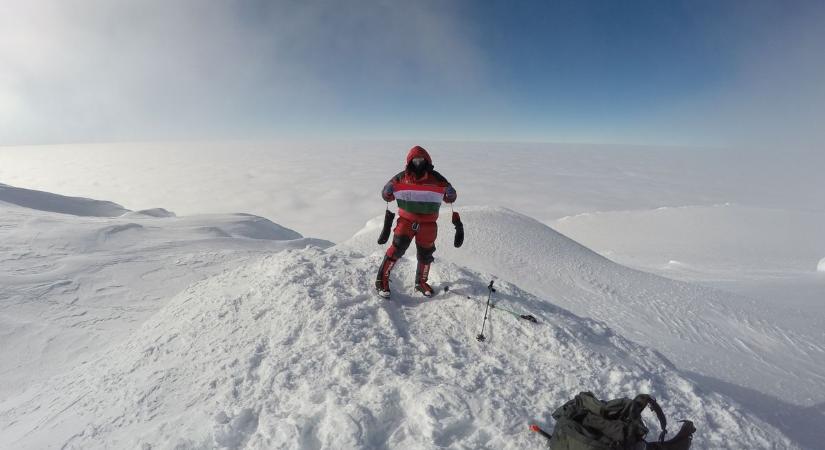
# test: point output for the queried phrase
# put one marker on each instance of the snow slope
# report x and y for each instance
(290, 351)
(768, 255)
(279, 344)
(46, 201)
(726, 340)
(718, 239)
(326, 189)
(70, 283)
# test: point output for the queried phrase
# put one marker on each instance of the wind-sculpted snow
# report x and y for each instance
(724, 338)
(292, 351)
(716, 241)
(246, 225)
(153, 212)
(70, 286)
(45, 201)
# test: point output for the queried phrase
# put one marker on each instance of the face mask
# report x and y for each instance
(418, 165)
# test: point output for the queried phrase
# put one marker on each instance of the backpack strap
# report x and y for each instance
(644, 400)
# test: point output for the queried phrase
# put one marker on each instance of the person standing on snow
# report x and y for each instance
(419, 191)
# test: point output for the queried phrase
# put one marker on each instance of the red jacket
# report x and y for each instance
(419, 199)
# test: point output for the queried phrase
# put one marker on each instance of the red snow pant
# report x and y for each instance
(424, 233)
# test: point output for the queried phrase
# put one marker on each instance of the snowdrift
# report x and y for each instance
(700, 329)
(149, 330)
(725, 238)
(292, 351)
(45, 201)
(71, 285)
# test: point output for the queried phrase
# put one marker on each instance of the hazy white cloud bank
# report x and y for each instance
(98, 70)
(118, 69)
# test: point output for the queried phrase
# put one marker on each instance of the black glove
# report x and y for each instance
(385, 232)
(459, 230)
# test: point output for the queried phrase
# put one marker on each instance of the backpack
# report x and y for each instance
(587, 423)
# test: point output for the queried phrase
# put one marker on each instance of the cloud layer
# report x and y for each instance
(96, 70)
(92, 70)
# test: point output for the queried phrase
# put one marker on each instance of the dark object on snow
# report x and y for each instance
(586, 423)
(528, 317)
(459, 230)
(389, 216)
(481, 337)
(537, 429)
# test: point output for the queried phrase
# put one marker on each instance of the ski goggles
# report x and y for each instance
(418, 162)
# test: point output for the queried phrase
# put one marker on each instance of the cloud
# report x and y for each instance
(98, 70)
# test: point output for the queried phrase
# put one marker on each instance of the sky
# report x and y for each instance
(707, 73)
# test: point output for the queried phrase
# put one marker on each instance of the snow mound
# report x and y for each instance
(113, 230)
(70, 286)
(45, 201)
(248, 226)
(153, 212)
(821, 266)
(292, 351)
(698, 328)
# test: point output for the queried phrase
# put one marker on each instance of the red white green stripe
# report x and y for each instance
(419, 199)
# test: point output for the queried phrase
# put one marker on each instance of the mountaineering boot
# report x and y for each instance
(421, 273)
(382, 281)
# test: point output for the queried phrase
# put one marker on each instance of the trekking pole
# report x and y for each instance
(527, 317)
(496, 306)
(480, 337)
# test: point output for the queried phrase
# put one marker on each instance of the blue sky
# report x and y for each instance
(652, 72)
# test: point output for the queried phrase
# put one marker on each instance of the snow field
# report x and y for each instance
(326, 189)
(291, 351)
(716, 241)
(71, 285)
(46, 201)
(702, 330)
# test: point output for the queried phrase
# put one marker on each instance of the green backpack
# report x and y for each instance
(587, 423)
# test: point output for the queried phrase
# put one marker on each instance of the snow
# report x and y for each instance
(724, 238)
(289, 351)
(327, 189)
(153, 212)
(820, 267)
(70, 283)
(45, 201)
(281, 345)
(765, 255)
(703, 330)
(88, 287)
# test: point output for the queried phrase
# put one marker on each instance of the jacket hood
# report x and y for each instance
(419, 152)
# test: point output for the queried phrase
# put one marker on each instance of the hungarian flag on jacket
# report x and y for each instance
(419, 197)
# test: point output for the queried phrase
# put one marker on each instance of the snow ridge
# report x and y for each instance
(71, 285)
(698, 328)
(291, 351)
(46, 201)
